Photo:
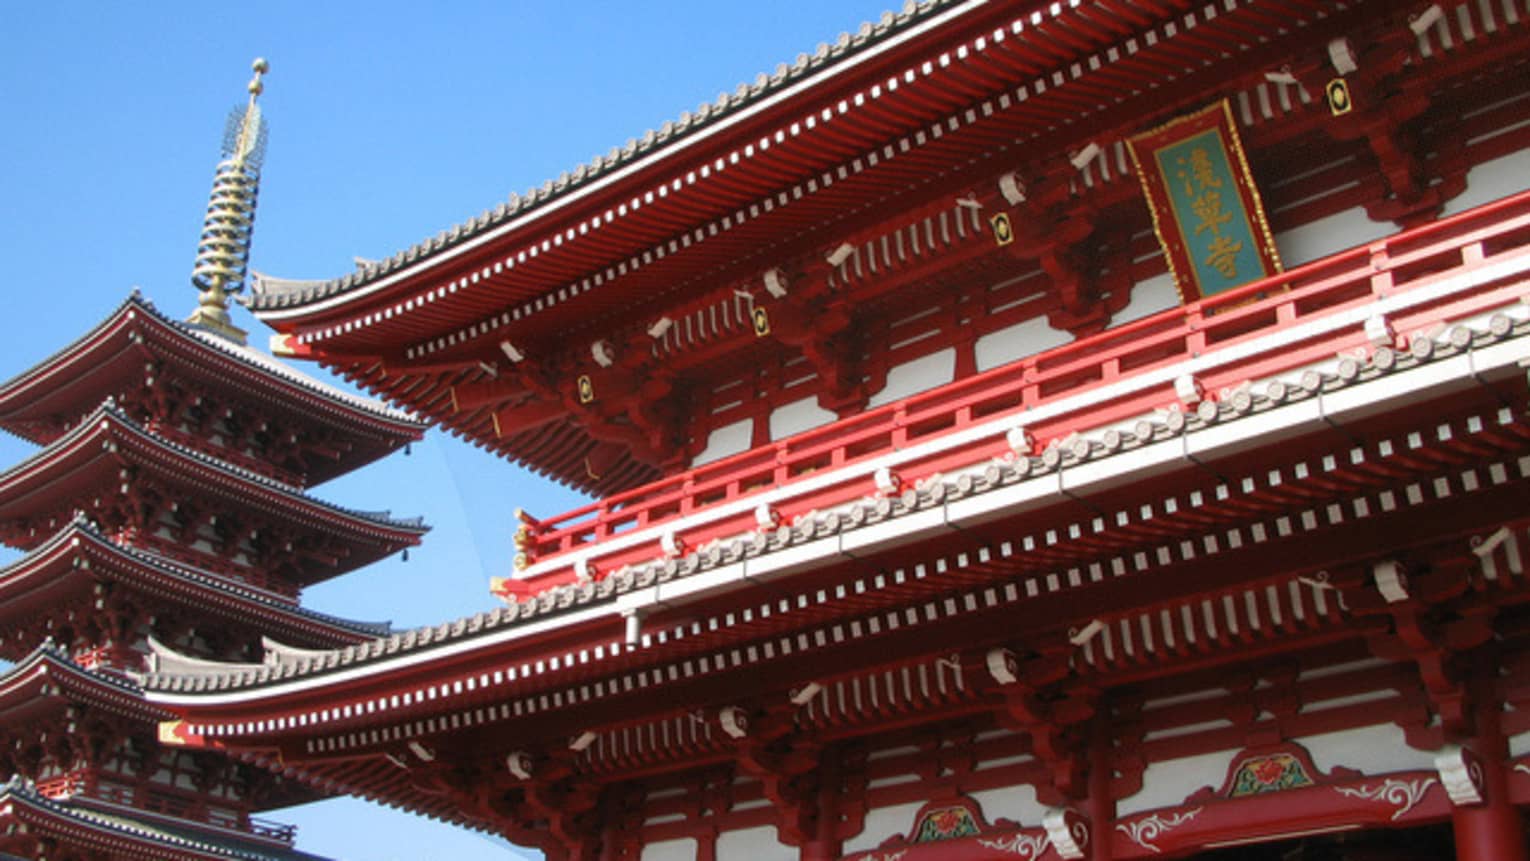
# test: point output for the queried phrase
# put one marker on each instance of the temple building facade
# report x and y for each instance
(1084, 430)
(166, 511)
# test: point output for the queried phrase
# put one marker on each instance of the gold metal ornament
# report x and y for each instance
(1339, 102)
(1003, 231)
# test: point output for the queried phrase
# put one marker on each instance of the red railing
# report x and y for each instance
(1407, 261)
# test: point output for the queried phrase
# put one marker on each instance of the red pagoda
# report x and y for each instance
(166, 510)
(1083, 430)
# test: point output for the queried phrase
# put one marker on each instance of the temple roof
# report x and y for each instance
(979, 492)
(127, 833)
(114, 357)
(91, 457)
(46, 677)
(79, 556)
(492, 329)
(806, 69)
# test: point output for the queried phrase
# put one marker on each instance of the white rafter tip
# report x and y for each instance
(1379, 332)
(511, 352)
(1283, 76)
(776, 284)
(581, 741)
(766, 517)
(424, 753)
(887, 481)
(1003, 666)
(805, 694)
(660, 327)
(671, 544)
(969, 202)
(734, 720)
(1080, 636)
(601, 352)
(519, 765)
(1391, 580)
(1426, 19)
(840, 255)
(1342, 56)
(585, 570)
(1012, 188)
(1188, 389)
(1083, 157)
(1020, 441)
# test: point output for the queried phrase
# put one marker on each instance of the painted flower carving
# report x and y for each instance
(1269, 771)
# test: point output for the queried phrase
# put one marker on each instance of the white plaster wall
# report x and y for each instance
(921, 374)
(1370, 750)
(1337, 232)
(1148, 298)
(751, 844)
(1016, 342)
(1167, 783)
(797, 417)
(882, 823)
(1011, 802)
(670, 850)
(1492, 180)
(726, 440)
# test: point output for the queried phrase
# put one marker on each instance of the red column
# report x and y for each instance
(1102, 802)
(1493, 830)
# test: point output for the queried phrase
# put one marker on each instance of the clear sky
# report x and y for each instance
(389, 122)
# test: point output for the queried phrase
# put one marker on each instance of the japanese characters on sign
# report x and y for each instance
(1205, 208)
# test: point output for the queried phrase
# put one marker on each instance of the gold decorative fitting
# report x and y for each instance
(521, 561)
(761, 321)
(523, 537)
(1003, 231)
(1339, 102)
(586, 389)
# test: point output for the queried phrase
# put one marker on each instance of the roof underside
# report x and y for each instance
(897, 127)
(39, 495)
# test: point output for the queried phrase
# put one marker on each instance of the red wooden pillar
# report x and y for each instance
(1102, 770)
(1492, 830)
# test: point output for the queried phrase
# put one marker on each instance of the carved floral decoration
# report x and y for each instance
(1144, 830)
(1275, 772)
(959, 820)
(945, 823)
(1402, 794)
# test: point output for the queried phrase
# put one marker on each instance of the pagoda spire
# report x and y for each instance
(224, 249)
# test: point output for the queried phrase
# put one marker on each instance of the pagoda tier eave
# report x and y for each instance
(46, 681)
(78, 558)
(118, 355)
(100, 454)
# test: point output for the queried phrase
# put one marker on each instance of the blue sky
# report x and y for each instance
(389, 122)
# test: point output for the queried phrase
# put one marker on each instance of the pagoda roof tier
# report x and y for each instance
(46, 680)
(852, 180)
(66, 570)
(129, 834)
(313, 430)
(126, 478)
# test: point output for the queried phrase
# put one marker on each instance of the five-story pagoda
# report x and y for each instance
(167, 506)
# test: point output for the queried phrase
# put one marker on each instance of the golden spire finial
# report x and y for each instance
(224, 249)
